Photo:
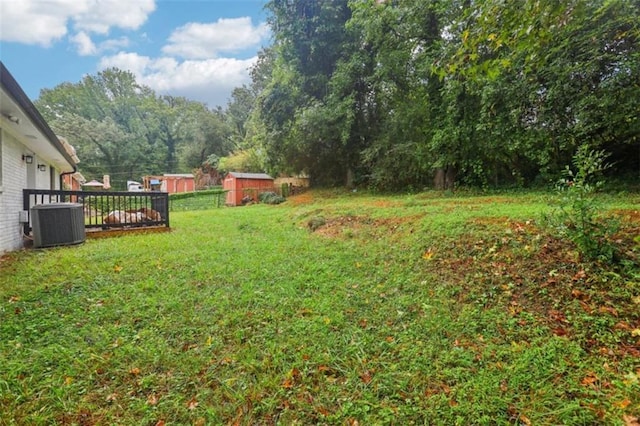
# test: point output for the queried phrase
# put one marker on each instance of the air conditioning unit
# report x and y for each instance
(57, 224)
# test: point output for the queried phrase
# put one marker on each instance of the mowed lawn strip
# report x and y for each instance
(332, 308)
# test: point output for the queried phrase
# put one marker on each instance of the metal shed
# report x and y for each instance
(242, 185)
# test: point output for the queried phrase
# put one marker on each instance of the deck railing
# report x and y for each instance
(104, 210)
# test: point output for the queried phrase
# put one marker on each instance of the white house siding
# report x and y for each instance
(14, 172)
(16, 176)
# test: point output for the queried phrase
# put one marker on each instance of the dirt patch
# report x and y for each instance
(338, 226)
(542, 280)
(504, 222)
(349, 225)
(498, 220)
(627, 215)
(300, 199)
(383, 204)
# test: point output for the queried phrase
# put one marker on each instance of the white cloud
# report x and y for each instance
(100, 15)
(200, 41)
(86, 47)
(83, 43)
(36, 22)
(210, 81)
(113, 44)
(43, 22)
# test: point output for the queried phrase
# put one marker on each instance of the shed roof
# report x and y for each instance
(250, 175)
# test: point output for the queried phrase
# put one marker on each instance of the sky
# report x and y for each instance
(199, 49)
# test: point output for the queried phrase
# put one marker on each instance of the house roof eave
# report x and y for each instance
(18, 95)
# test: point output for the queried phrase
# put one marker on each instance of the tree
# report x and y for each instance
(125, 130)
(302, 132)
(103, 117)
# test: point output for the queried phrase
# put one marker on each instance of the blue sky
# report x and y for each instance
(200, 49)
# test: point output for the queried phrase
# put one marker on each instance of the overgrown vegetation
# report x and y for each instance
(198, 200)
(270, 197)
(412, 94)
(578, 216)
(391, 95)
(423, 309)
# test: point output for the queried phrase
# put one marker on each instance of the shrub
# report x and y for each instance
(575, 215)
(270, 198)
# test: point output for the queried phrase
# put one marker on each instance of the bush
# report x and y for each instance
(575, 215)
(270, 198)
(200, 193)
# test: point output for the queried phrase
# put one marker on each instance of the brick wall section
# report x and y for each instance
(14, 177)
(14, 180)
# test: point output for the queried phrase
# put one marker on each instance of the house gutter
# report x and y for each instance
(21, 98)
(63, 174)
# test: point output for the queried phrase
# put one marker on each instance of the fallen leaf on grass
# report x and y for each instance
(579, 294)
(287, 384)
(192, 404)
(635, 332)
(323, 411)
(559, 331)
(589, 380)
(557, 315)
(117, 268)
(160, 423)
(68, 380)
(525, 420)
(366, 376)
(608, 310)
(134, 371)
(428, 255)
(586, 307)
(188, 346)
(622, 404)
(630, 420)
(14, 299)
(293, 376)
(226, 361)
(579, 276)
(152, 399)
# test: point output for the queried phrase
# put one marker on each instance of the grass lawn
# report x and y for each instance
(332, 308)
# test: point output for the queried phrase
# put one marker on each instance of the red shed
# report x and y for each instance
(170, 182)
(242, 185)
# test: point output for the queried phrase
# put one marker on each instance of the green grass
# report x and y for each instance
(198, 200)
(415, 309)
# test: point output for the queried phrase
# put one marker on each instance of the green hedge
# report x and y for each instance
(198, 200)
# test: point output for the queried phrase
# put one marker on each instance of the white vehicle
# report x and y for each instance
(133, 186)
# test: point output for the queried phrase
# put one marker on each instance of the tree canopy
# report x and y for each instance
(126, 130)
(390, 94)
(397, 94)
